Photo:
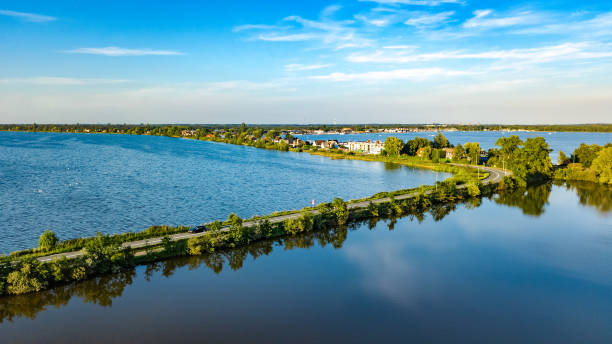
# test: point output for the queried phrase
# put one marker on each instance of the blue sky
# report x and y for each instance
(408, 61)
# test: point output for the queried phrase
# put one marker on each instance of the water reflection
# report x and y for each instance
(532, 201)
(592, 195)
(103, 290)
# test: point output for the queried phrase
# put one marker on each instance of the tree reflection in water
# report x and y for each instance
(102, 290)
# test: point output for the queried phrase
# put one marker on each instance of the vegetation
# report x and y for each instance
(592, 163)
(47, 240)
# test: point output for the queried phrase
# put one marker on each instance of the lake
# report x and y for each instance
(80, 184)
(532, 266)
(558, 141)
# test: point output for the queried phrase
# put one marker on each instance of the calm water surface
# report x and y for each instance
(529, 267)
(80, 184)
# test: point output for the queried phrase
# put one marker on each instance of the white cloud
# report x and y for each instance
(297, 28)
(566, 51)
(397, 74)
(60, 81)
(415, 2)
(287, 38)
(29, 17)
(400, 47)
(380, 22)
(255, 27)
(483, 19)
(295, 67)
(116, 51)
(427, 20)
(600, 25)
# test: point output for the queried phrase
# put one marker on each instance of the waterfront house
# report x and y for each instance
(449, 152)
(368, 147)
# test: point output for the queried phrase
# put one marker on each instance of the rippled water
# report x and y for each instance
(528, 267)
(566, 141)
(80, 184)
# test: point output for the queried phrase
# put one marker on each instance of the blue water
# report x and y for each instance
(80, 184)
(566, 141)
(538, 271)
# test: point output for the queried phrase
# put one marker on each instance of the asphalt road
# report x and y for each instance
(495, 176)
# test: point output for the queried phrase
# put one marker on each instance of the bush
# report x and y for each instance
(473, 190)
(340, 210)
(47, 240)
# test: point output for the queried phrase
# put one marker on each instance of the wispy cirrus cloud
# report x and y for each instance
(297, 37)
(60, 81)
(295, 28)
(429, 20)
(117, 51)
(396, 74)
(580, 50)
(415, 2)
(29, 17)
(256, 27)
(488, 19)
(296, 67)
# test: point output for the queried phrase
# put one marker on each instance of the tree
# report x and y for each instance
(426, 152)
(536, 158)
(257, 133)
(393, 146)
(47, 240)
(563, 159)
(412, 146)
(473, 152)
(440, 141)
(509, 153)
(459, 153)
(340, 210)
(272, 134)
(602, 165)
(585, 154)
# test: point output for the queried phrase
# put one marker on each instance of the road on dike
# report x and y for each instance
(495, 176)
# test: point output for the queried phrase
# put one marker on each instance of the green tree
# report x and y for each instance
(510, 152)
(585, 154)
(47, 240)
(393, 146)
(440, 141)
(426, 152)
(459, 153)
(340, 210)
(412, 146)
(563, 159)
(602, 165)
(536, 158)
(473, 152)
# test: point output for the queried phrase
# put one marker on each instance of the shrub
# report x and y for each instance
(47, 240)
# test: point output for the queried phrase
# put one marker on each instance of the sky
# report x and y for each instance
(349, 61)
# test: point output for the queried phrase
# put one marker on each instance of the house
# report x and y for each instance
(368, 147)
(188, 132)
(421, 151)
(325, 144)
(294, 142)
(449, 152)
(347, 130)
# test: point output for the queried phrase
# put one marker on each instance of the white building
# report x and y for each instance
(368, 147)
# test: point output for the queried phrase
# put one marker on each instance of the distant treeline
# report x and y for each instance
(143, 128)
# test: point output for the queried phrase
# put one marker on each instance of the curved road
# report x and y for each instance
(495, 176)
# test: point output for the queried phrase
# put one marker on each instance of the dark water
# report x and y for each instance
(565, 142)
(527, 267)
(80, 184)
